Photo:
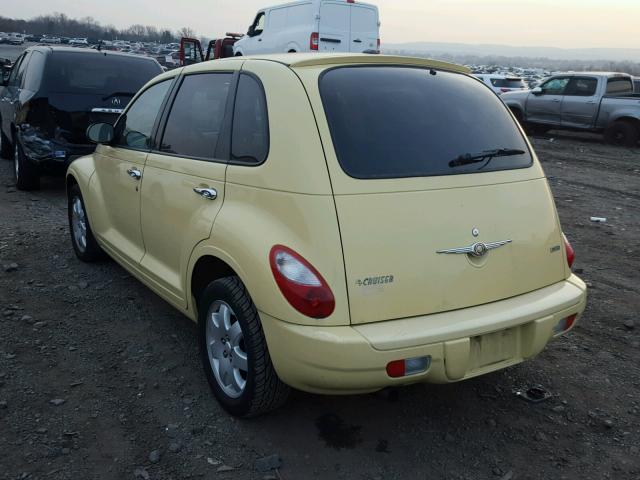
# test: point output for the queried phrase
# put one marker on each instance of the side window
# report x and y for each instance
(258, 24)
(619, 86)
(194, 124)
(250, 137)
(34, 71)
(555, 86)
(582, 87)
(133, 129)
(14, 76)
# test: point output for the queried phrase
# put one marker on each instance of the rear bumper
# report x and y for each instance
(462, 344)
(51, 155)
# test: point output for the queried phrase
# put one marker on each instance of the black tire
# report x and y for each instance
(24, 172)
(263, 390)
(622, 133)
(90, 251)
(6, 149)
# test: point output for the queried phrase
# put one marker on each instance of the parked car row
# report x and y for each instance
(12, 38)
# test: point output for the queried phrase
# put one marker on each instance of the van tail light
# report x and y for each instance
(315, 41)
(300, 283)
(571, 255)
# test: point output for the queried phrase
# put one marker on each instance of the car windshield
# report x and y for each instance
(392, 122)
(98, 73)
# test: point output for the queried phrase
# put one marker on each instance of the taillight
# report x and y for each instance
(300, 283)
(505, 90)
(571, 255)
(315, 41)
(565, 324)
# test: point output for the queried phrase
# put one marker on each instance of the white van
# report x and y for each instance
(313, 25)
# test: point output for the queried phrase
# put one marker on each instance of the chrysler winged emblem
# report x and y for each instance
(477, 249)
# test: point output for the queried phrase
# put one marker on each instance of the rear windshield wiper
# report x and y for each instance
(487, 155)
(118, 94)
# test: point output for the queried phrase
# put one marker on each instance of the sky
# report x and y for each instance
(548, 23)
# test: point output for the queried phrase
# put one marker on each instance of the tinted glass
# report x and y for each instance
(389, 122)
(34, 71)
(16, 72)
(582, 87)
(508, 82)
(619, 86)
(134, 128)
(194, 124)
(555, 86)
(98, 73)
(250, 139)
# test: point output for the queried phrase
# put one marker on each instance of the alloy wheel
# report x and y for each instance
(226, 349)
(79, 224)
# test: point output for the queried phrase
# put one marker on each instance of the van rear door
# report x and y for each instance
(335, 24)
(364, 28)
(440, 201)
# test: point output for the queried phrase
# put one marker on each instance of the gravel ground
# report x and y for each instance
(100, 379)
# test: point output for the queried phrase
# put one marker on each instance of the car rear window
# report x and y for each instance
(98, 73)
(619, 86)
(508, 83)
(392, 122)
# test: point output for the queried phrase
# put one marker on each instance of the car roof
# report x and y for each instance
(299, 60)
(89, 51)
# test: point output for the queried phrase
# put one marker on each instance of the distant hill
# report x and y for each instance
(584, 54)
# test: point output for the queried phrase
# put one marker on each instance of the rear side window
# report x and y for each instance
(582, 87)
(194, 124)
(34, 71)
(390, 122)
(250, 137)
(619, 86)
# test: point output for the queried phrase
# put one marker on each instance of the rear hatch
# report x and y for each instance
(89, 87)
(411, 190)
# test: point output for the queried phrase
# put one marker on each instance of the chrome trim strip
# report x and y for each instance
(107, 110)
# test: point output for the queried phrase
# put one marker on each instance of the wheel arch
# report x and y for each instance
(626, 118)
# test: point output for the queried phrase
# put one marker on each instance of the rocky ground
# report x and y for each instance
(100, 379)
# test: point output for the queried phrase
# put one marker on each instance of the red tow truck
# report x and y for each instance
(191, 49)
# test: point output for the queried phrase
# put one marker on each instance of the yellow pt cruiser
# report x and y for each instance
(333, 223)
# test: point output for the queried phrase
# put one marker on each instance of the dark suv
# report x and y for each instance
(50, 98)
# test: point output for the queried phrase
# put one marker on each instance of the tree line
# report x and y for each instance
(61, 25)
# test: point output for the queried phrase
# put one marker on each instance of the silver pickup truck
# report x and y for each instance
(596, 102)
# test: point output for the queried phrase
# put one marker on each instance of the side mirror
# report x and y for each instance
(537, 91)
(100, 133)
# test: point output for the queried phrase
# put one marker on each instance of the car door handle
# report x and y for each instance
(357, 40)
(555, 100)
(208, 193)
(134, 173)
